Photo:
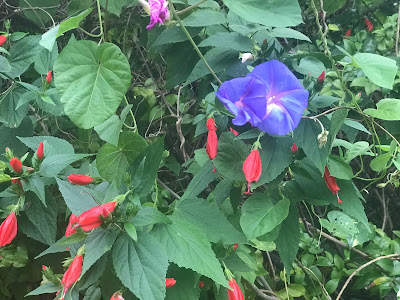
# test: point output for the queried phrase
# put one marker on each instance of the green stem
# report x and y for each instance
(90, 34)
(100, 21)
(133, 116)
(190, 7)
(192, 42)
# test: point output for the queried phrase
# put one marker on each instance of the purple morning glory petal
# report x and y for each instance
(245, 98)
(158, 12)
(278, 110)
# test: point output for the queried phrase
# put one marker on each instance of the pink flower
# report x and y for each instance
(158, 12)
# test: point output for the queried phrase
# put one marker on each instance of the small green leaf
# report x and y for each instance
(379, 164)
(149, 216)
(47, 288)
(232, 40)
(54, 164)
(204, 17)
(386, 109)
(131, 230)
(200, 181)
(73, 22)
(339, 168)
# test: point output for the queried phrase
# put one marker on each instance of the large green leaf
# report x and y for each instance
(261, 215)
(54, 164)
(379, 69)
(52, 145)
(188, 247)
(288, 240)
(289, 33)
(141, 266)
(149, 216)
(96, 245)
(231, 156)
(386, 109)
(112, 161)
(218, 59)
(92, 81)
(9, 112)
(231, 40)
(23, 53)
(4, 64)
(44, 218)
(206, 215)
(274, 13)
(204, 17)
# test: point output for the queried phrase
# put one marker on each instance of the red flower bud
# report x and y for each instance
(90, 219)
(235, 293)
(234, 131)
(80, 179)
(17, 181)
(348, 33)
(8, 230)
(48, 77)
(44, 267)
(16, 164)
(117, 296)
(235, 246)
(201, 284)
(331, 183)
(212, 140)
(369, 24)
(252, 168)
(39, 151)
(73, 273)
(169, 282)
(294, 148)
(3, 39)
(321, 78)
(73, 221)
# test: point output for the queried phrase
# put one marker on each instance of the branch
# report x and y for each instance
(175, 195)
(261, 294)
(391, 256)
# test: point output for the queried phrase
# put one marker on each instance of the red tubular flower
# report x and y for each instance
(321, 78)
(17, 181)
(73, 220)
(48, 77)
(73, 273)
(212, 140)
(3, 39)
(201, 284)
(16, 164)
(169, 282)
(117, 296)
(369, 24)
(236, 292)
(80, 179)
(235, 247)
(44, 267)
(39, 151)
(294, 148)
(331, 183)
(234, 131)
(90, 219)
(348, 33)
(252, 168)
(8, 230)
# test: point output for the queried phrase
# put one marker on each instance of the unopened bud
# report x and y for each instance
(246, 57)
(322, 138)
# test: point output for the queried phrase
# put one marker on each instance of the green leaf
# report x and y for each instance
(169, 35)
(339, 168)
(288, 240)
(59, 247)
(12, 115)
(379, 164)
(188, 247)
(9, 136)
(46, 288)
(356, 149)
(275, 157)
(207, 216)
(109, 130)
(200, 181)
(77, 198)
(4, 65)
(51, 145)
(274, 13)
(49, 38)
(114, 6)
(379, 69)
(141, 266)
(144, 173)
(231, 156)
(44, 218)
(296, 290)
(218, 59)
(149, 216)
(310, 65)
(131, 230)
(54, 164)
(261, 215)
(186, 284)
(92, 293)
(290, 33)
(231, 40)
(92, 81)
(386, 109)
(73, 22)
(99, 242)
(204, 17)
(39, 11)
(331, 285)
(112, 161)
(35, 184)
(23, 54)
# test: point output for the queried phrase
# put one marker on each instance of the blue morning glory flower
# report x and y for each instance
(270, 98)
